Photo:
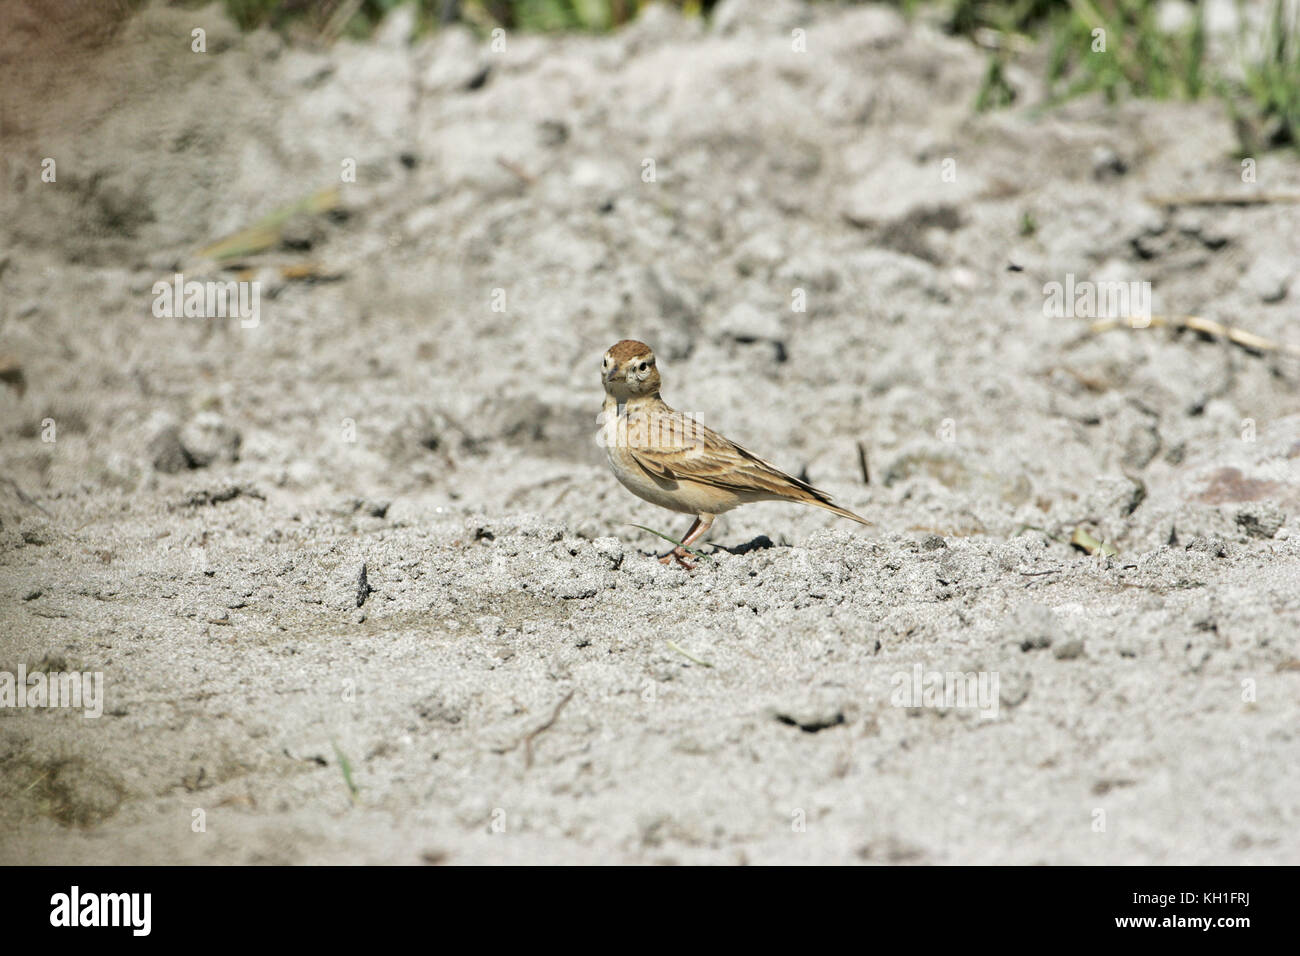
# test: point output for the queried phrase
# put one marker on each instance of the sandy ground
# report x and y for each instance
(361, 588)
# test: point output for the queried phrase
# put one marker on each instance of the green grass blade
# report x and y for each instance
(689, 656)
(346, 766)
(660, 534)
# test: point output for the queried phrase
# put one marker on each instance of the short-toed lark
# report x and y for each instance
(671, 460)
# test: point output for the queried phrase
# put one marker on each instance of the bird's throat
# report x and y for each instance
(633, 403)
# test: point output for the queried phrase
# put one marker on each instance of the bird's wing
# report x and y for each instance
(671, 446)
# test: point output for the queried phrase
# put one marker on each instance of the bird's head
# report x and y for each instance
(628, 371)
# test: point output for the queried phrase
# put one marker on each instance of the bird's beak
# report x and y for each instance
(611, 375)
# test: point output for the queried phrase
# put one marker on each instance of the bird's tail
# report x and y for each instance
(842, 512)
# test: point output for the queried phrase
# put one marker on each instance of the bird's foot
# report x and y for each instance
(679, 555)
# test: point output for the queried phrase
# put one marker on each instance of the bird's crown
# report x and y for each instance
(620, 352)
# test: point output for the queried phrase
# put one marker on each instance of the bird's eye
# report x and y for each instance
(643, 366)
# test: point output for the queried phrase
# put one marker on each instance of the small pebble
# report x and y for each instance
(1068, 650)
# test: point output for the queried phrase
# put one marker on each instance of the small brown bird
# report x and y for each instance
(671, 460)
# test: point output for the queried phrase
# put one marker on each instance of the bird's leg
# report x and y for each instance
(680, 553)
(701, 524)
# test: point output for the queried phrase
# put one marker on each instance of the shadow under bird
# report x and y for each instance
(673, 461)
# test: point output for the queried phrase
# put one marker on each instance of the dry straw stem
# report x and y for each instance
(532, 735)
(517, 171)
(862, 463)
(688, 655)
(1222, 199)
(1247, 340)
(265, 233)
(527, 739)
(555, 716)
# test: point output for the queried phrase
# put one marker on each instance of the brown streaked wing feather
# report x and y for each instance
(668, 445)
